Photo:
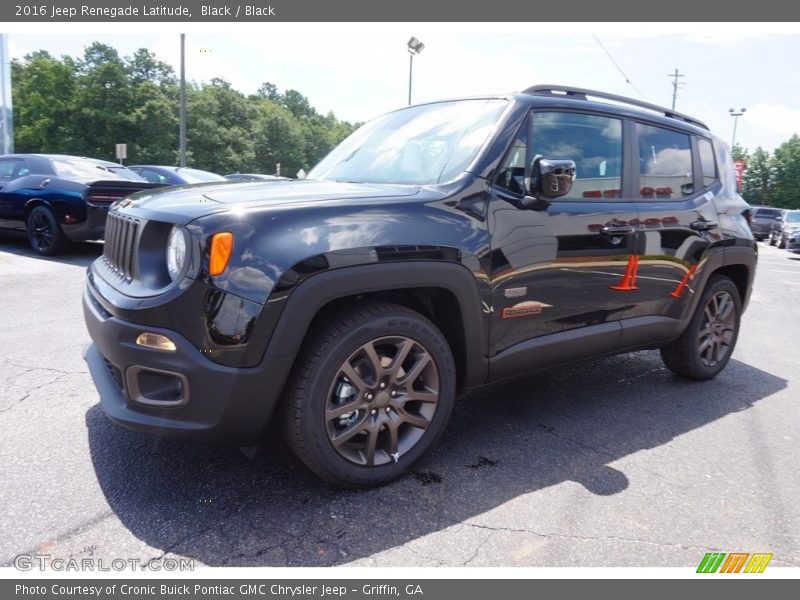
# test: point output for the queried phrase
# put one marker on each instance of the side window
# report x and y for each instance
(665, 163)
(511, 176)
(593, 142)
(707, 162)
(7, 168)
(152, 176)
(22, 169)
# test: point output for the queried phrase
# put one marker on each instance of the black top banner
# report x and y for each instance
(83, 11)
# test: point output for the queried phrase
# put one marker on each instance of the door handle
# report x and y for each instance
(618, 230)
(703, 225)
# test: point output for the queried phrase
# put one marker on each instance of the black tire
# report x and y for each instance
(782, 243)
(393, 370)
(771, 240)
(44, 232)
(705, 347)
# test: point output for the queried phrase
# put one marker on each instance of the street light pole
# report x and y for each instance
(735, 116)
(410, 70)
(182, 117)
(414, 47)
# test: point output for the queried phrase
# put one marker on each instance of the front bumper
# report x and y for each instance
(213, 402)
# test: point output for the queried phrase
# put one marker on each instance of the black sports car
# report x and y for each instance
(58, 198)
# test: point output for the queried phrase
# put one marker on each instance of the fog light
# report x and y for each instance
(156, 341)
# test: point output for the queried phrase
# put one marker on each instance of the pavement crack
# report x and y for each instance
(35, 389)
(65, 535)
(601, 538)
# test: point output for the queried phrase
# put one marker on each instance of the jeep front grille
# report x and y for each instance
(120, 244)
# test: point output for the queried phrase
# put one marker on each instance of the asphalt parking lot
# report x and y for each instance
(615, 462)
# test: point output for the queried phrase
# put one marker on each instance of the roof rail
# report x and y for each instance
(581, 94)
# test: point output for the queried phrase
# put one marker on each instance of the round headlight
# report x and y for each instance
(176, 252)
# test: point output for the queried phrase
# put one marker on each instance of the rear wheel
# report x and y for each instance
(782, 242)
(44, 232)
(706, 345)
(370, 394)
(771, 240)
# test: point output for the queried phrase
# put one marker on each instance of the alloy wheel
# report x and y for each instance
(381, 401)
(717, 330)
(41, 231)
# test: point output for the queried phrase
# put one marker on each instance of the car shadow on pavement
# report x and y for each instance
(76, 253)
(214, 505)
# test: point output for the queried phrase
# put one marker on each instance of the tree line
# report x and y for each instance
(772, 179)
(86, 105)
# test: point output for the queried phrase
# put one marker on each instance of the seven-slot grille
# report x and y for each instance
(120, 245)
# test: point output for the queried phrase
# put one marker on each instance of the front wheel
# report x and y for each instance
(771, 240)
(369, 395)
(782, 243)
(705, 347)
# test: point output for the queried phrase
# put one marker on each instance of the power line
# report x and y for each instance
(675, 85)
(611, 58)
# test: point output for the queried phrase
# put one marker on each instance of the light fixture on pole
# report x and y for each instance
(735, 116)
(414, 47)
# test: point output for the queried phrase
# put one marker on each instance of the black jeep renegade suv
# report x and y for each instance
(438, 248)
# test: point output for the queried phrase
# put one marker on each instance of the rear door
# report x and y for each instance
(677, 181)
(562, 267)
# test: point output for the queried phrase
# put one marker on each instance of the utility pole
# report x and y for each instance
(675, 85)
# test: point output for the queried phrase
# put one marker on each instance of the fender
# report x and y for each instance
(743, 255)
(727, 256)
(318, 290)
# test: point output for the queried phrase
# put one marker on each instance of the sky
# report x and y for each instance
(359, 71)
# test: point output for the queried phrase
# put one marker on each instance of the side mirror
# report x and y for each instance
(550, 178)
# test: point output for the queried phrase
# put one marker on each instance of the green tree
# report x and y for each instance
(786, 159)
(739, 153)
(43, 91)
(278, 139)
(759, 177)
(219, 128)
(105, 102)
(87, 105)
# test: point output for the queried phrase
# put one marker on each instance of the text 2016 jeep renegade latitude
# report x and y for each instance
(438, 248)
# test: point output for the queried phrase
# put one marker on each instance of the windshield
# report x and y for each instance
(767, 213)
(125, 173)
(198, 176)
(432, 143)
(88, 169)
(792, 217)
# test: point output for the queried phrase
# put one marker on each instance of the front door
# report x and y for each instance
(569, 264)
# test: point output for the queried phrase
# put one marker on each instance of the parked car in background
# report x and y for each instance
(253, 177)
(783, 227)
(175, 175)
(763, 218)
(58, 198)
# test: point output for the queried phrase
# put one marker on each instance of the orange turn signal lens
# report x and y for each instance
(221, 248)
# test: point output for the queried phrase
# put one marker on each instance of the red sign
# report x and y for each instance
(740, 168)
